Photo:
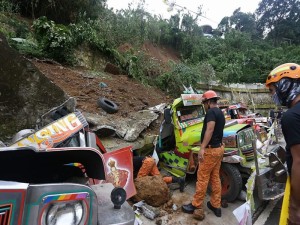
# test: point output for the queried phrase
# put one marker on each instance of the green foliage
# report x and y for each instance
(181, 74)
(241, 55)
(60, 11)
(13, 27)
(279, 20)
(27, 47)
(140, 66)
(7, 7)
(55, 39)
(243, 22)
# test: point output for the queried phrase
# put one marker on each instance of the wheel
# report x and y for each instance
(108, 105)
(231, 181)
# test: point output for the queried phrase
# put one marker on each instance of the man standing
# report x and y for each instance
(210, 157)
(284, 85)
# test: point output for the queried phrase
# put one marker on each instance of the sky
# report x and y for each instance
(214, 10)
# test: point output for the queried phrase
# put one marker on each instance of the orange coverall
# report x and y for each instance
(209, 171)
(149, 168)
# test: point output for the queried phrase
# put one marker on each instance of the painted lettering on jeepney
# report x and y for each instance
(53, 133)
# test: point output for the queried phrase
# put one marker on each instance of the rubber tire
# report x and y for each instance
(108, 105)
(234, 181)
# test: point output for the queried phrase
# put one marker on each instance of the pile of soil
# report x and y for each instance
(87, 88)
(129, 95)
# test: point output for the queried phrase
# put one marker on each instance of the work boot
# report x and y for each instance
(180, 181)
(199, 214)
(217, 211)
(189, 208)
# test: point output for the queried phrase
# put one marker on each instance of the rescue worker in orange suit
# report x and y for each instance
(284, 85)
(146, 166)
(210, 157)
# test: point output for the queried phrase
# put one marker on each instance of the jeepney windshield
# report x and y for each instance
(189, 113)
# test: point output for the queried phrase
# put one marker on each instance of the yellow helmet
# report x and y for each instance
(290, 70)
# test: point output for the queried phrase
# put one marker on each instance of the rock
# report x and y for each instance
(111, 68)
(149, 211)
(128, 128)
(136, 125)
(199, 214)
(25, 93)
(152, 189)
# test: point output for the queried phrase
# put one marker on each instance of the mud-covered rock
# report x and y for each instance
(25, 93)
(152, 189)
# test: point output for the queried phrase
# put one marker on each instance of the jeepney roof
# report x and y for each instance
(187, 100)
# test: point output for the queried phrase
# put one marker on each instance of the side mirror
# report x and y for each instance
(118, 197)
(167, 116)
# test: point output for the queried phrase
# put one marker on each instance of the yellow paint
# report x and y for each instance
(279, 70)
(62, 197)
(60, 127)
(285, 204)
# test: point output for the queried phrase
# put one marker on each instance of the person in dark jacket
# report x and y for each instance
(284, 85)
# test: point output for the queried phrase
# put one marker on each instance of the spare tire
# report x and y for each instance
(108, 105)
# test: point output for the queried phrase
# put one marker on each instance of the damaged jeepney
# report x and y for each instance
(60, 174)
(181, 130)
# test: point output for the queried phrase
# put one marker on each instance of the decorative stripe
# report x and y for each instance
(279, 70)
(5, 214)
(65, 197)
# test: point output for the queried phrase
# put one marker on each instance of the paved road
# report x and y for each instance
(179, 218)
(269, 216)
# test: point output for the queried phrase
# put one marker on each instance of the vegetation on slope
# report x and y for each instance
(244, 48)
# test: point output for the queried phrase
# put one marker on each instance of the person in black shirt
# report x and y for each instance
(284, 85)
(272, 115)
(210, 157)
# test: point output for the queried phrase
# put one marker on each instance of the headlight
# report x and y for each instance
(64, 213)
(241, 140)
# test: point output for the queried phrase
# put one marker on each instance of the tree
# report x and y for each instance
(60, 11)
(279, 20)
(240, 21)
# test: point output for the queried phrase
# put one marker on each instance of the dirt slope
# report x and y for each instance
(128, 94)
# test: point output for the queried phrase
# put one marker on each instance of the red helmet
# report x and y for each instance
(209, 95)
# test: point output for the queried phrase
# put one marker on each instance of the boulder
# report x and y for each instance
(152, 189)
(25, 93)
(112, 69)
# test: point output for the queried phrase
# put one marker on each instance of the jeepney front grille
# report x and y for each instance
(5, 214)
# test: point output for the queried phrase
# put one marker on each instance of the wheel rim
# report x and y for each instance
(225, 182)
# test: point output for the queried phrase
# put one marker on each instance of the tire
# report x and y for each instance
(231, 181)
(108, 105)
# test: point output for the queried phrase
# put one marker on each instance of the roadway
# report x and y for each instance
(269, 215)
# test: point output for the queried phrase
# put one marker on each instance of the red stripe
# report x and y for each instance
(5, 217)
(185, 155)
(73, 196)
(100, 145)
(23, 192)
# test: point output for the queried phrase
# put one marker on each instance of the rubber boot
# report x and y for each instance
(180, 181)
(217, 211)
